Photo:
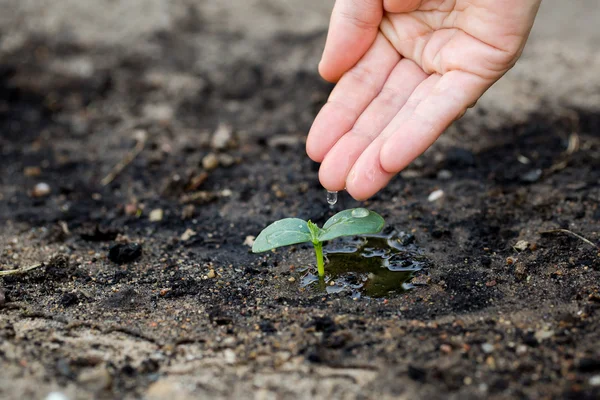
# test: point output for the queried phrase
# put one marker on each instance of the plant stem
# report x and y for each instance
(320, 264)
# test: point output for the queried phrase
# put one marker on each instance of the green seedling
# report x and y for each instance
(288, 231)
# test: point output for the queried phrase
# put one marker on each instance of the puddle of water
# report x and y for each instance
(374, 266)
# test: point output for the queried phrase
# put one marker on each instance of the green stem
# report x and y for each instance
(320, 264)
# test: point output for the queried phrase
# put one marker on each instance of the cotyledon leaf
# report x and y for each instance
(282, 233)
(355, 221)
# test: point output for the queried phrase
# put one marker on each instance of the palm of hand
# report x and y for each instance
(424, 69)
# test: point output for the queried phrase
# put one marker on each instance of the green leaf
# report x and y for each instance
(356, 221)
(282, 233)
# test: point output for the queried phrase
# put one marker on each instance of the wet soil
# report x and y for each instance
(129, 307)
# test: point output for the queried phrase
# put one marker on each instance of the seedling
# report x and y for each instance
(288, 231)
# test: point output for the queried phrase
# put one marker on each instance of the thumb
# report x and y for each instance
(352, 30)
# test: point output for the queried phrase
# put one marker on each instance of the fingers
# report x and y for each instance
(401, 83)
(447, 100)
(352, 30)
(399, 6)
(350, 97)
(367, 175)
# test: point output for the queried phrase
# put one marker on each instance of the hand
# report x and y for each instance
(405, 70)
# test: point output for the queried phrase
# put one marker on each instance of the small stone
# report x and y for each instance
(226, 193)
(520, 271)
(188, 211)
(96, 379)
(211, 274)
(521, 349)
(446, 348)
(32, 171)
(131, 209)
(185, 236)
(230, 357)
(56, 396)
(122, 253)
(543, 334)
(292, 279)
(487, 348)
(158, 112)
(531, 176)
(595, 380)
(166, 388)
(249, 241)
(491, 283)
(210, 161)
(156, 215)
(41, 190)
(222, 137)
(435, 195)
(521, 245)
(444, 175)
(283, 141)
(226, 160)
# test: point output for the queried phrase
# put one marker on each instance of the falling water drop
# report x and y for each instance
(332, 197)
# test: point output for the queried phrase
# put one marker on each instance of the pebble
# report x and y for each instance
(188, 211)
(158, 112)
(185, 236)
(521, 245)
(222, 137)
(122, 253)
(210, 161)
(249, 241)
(285, 141)
(446, 348)
(543, 334)
(96, 379)
(487, 348)
(166, 389)
(444, 175)
(226, 160)
(156, 215)
(32, 171)
(292, 279)
(211, 274)
(435, 195)
(595, 380)
(41, 190)
(230, 357)
(56, 396)
(531, 176)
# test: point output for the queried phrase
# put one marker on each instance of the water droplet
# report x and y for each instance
(360, 212)
(332, 197)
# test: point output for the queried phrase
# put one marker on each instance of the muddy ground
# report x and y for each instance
(197, 315)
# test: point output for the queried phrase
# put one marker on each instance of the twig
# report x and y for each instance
(141, 137)
(568, 232)
(20, 270)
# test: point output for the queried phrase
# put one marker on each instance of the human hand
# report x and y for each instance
(405, 70)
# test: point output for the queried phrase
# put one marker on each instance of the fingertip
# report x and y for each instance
(331, 75)
(389, 159)
(329, 181)
(313, 151)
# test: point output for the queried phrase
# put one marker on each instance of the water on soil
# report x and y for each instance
(372, 265)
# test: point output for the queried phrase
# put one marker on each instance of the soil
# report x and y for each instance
(148, 288)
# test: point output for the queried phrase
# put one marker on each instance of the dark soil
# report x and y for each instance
(198, 313)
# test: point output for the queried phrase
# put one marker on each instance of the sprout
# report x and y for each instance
(288, 231)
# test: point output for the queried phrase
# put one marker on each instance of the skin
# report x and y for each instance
(405, 70)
